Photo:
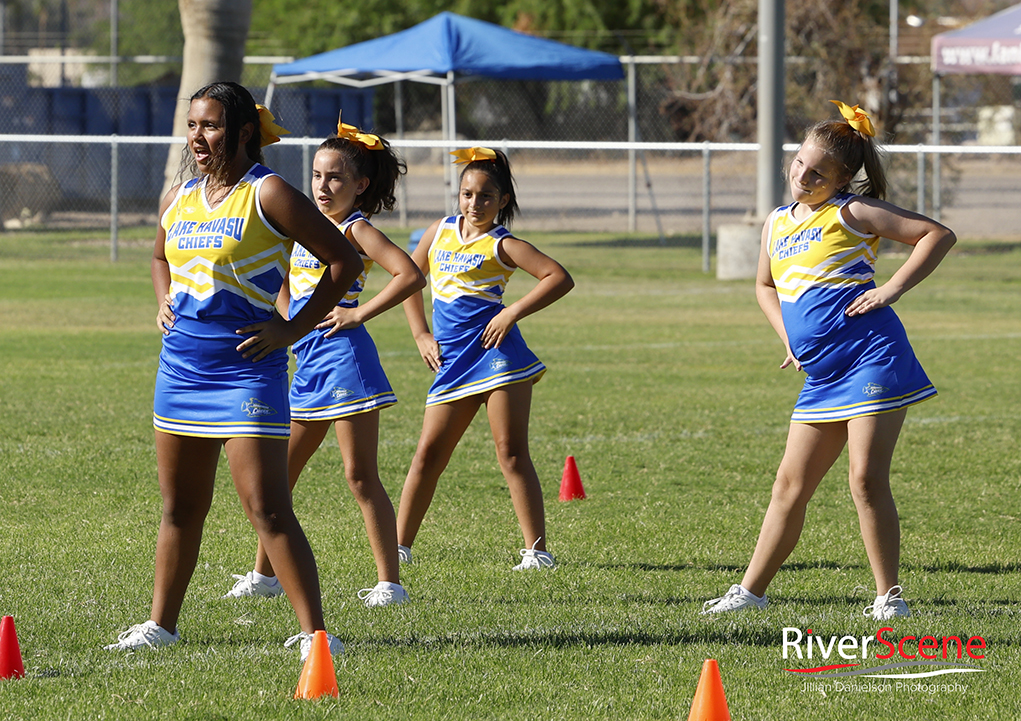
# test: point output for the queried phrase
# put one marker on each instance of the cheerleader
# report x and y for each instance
(475, 348)
(339, 379)
(220, 257)
(815, 286)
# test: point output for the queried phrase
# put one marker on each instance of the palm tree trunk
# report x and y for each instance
(214, 48)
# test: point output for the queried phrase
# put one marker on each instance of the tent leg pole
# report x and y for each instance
(402, 200)
(306, 168)
(920, 198)
(452, 137)
(444, 124)
(270, 88)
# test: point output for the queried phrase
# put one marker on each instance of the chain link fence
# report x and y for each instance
(573, 167)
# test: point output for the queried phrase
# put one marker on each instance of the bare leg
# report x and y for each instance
(358, 437)
(259, 468)
(442, 428)
(187, 469)
(812, 448)
(870, 444)
(508, 409)
(306, 437)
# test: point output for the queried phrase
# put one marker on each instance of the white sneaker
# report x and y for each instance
(736, 599)
(888, 606)
(533, 559)
(306, 644)
(144, 635)
(403, 554)
(247, 586)
(384, 594)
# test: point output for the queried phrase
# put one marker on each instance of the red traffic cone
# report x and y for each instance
(710, 703)
(317, 676)
(570, 484)
(10, 653)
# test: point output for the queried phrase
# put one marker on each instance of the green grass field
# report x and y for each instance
(664, 385)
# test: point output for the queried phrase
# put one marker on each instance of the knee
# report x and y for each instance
(790, 491)
(430, 459)
(513, 458)
(868, 489)
(363, 484)
(270, 519)
(184, 514)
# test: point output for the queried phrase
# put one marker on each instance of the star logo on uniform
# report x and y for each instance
(254, 408)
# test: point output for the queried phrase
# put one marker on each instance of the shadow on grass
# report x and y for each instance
(956, 567)
(799, 566)
(937, 567)
(672, 241)
(730, 634)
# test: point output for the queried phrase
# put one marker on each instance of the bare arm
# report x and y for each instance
(931, 242)
(294, 215)
(414, 305)
(160, 269)
(554, 283)
(407, 278)
(769, 302)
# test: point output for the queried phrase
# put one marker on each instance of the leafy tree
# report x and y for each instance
(312, 28)
(143, 28)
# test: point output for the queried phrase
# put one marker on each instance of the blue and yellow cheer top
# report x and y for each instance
(227, 265)
(468, 280)
(339, 375)
(856, 366)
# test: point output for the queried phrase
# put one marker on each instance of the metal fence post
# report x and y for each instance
(706, 204)
(114, 191)
(632, 135)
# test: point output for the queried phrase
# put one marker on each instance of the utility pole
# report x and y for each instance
(771, 106)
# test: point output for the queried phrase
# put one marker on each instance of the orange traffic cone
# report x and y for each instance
(10, 653)
(710, 703)
(570, 484)
(317, 676)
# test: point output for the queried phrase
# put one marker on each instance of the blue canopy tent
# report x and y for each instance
(442, 50)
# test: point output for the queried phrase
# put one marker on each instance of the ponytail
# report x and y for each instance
(856, 152)
(382, 166)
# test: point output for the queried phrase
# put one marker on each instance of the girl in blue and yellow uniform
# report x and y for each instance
(815, 287)
(339, 378)
(220, 257)
(475, 347)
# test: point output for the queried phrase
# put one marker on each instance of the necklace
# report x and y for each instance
(216, 195)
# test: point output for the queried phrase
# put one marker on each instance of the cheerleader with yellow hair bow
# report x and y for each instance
(815, 285)
(475, 348)
(338, 378)
(219, 260)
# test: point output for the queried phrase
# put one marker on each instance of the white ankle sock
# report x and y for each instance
(746, 592)
(267, 580)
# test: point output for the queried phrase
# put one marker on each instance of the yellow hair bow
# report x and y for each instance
(857, 119)
(269, 131)
(470, 155)
(350, 132)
